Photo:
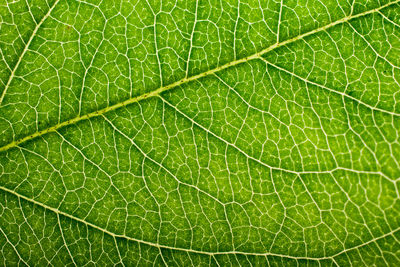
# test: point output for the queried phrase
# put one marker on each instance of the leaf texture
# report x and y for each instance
(200, 133)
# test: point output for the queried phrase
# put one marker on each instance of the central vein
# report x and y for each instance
(185, 80)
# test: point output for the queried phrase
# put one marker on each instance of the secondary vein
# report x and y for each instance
(26, 49)
(175, 84)
(149, 243)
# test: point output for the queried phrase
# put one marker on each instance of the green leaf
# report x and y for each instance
(200, 132)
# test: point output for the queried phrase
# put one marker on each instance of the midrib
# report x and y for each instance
(184, 80)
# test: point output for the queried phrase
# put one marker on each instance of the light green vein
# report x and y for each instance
(160, 246)
(25, 50)
(186, 79)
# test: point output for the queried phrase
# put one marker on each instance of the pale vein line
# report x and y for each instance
(119, 253)
(160, 246)
(279, 21)
(329, 89)
(208, 131)
(14, 247)
(25, 50)
(191, 39)
(162, 166)
(389, 20)
(63, 238)
(188, 79)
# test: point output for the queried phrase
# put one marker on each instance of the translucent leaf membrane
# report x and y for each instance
(200, 133)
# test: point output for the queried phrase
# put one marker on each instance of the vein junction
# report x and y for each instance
(189, 79)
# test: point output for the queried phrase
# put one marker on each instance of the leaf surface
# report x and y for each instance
(200, 133)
